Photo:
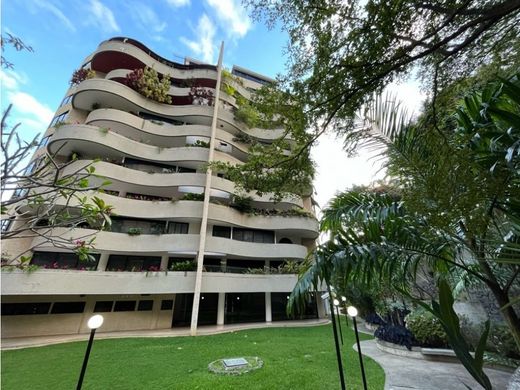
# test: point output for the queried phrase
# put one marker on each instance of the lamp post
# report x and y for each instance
(352, 311)
(93, 323)
(344, 300)
(336, 341)
(336, 304)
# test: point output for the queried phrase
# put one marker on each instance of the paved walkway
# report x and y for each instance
(408, 373)
(24, 342)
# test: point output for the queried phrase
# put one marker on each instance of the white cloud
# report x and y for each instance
(232, 16)
(178, 3)
(102, 17)
(147, 17)
(47, 5)
(202, 47)
(27, 104)
(10, 79)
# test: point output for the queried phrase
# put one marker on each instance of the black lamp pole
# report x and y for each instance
(336, 342)
(85, 360)
(359, 353)
(339, 324)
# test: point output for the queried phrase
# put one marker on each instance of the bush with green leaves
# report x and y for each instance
(396, 334)
(193, 196)
(188, 265)
(427, 329)
(148, 83)
(501, 341)
(242, 203)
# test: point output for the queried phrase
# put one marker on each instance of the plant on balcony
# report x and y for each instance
(228, 89)
(193, 196)
(189, 265)
(247, 113)
(244, 138)
(80, 75)
(148, 83)
(104, 130)
(255, 271)
(288, 267)
(242, 203)
(199, 144)
(229, 77)
(201, 96)
(134, 231)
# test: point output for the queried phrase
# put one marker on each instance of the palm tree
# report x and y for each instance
(457, 211)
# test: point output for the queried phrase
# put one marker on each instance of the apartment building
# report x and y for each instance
(179, 252)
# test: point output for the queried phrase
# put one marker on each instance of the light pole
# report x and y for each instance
(328, 296)
(352, 311)
(344, 300)
(93, 323)
(336, 304)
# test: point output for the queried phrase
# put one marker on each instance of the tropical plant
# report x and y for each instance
(427, 329)
(134, 231)
(242, 203)
(193, 196)
(456, 211)
(396, 334)
(148, 83)
(188, 265)
(80, 75)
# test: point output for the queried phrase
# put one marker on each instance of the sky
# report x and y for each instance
(63, 32)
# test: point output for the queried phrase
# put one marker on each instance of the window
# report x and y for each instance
(167, 304)
(44, 141)
(221, 231)
(124, 306)
(253, 235)
(178, 228)
(59, 119)
(16, 309)
(6, 224)
(66, 100)
(133, 263)
(62, 260)
(67, 307)
(145, 305)
(103, 306)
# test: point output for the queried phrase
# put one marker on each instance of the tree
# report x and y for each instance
(341, 53)
(457, 213)
(14, 41)
(46, 193)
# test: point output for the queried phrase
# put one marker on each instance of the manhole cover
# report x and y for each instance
(235, 366)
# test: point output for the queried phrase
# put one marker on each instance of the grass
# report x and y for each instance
(294, 358)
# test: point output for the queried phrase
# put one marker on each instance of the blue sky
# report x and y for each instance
(64, 32)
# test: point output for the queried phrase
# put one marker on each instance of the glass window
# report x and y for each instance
(103, 306)
(6, 224)
(66, 100)
(145, 305)
(252, 235)
(16, 309)
(124, 306)
(178, 228)
(62, 260)
(59, 119)
(222, 231)
(133, 263)
(167, 304)
(67, 307)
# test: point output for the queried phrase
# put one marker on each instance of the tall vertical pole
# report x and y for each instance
(205, 207)
(336, 342)
(85, 359)
(360, 355)
(339, 324)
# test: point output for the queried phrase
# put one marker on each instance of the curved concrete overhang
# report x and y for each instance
(152, 244)
(92, 141)
(70, 282)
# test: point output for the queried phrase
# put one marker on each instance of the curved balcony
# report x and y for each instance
(112, 55)
(159, 133)
(68, 282)
(151, 244)
(192, 210)
(92, 141)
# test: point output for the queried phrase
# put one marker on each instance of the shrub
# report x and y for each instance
(147, 82)
(242, 203)
(134, 231)
(396, 334)
(501, 341)
(80, 75)
(427, 329)
(374, 319)
(193, 196)
(188, 265)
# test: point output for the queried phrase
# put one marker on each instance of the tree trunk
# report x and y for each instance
(509, 314)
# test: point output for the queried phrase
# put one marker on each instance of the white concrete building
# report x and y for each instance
(154, 156)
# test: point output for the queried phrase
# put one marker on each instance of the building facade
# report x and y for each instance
(177, 237)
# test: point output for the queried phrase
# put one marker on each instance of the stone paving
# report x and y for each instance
(408, 373)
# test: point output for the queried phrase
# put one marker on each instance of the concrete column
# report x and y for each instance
(321, 306)
(221, 308)
(267, 265)
(268, 312)
(223, 265)
(103, 260)
(164, 262)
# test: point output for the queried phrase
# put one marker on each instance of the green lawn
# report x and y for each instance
(294, 358)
